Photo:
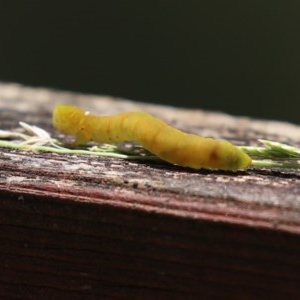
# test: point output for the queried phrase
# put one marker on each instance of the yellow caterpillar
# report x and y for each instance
(168, 143)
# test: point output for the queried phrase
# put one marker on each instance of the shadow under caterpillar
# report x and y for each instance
(166, 142)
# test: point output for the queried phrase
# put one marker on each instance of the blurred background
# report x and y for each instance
(240, 57)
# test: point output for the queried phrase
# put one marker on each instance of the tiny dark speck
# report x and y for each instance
(213, 155)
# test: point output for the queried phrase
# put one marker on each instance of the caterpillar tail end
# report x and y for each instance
(232, 158)
(243, 160)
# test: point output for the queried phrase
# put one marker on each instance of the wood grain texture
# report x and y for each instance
(82, 227)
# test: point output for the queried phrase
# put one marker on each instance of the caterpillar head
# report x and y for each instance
(72, 120)
(67, 118)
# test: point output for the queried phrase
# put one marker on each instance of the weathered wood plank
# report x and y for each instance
(96, 227)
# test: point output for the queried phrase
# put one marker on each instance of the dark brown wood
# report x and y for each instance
(82, 227)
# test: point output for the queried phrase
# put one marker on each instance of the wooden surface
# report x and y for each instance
(82, 227)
